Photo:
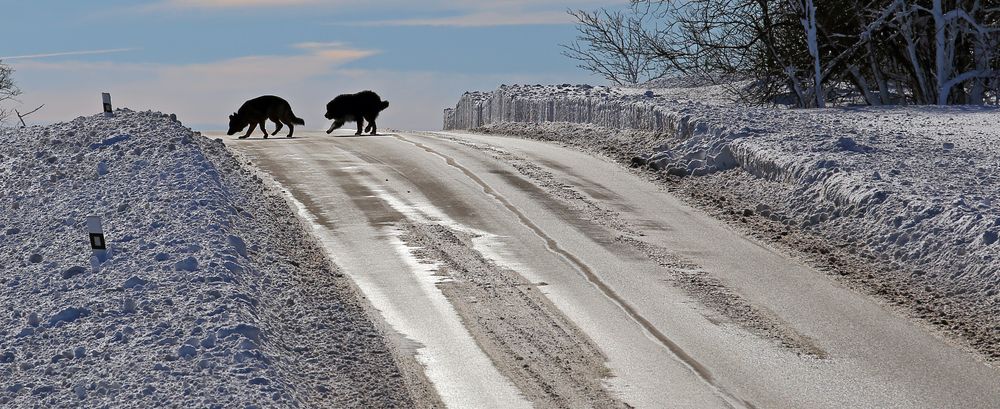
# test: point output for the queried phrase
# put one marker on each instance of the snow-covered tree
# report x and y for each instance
(808, 19)
(952, 25)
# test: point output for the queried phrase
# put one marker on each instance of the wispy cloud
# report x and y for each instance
(315, 45)
(470, 12)
(381, 4)
(486, 13)
(67, 53)
(479, 19)
(234, 3)
(188, 6)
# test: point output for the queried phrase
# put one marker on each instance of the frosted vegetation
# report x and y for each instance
(804, 52)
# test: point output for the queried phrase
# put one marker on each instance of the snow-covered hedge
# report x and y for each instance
(213, 295)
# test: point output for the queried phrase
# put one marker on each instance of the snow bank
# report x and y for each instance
(699, 145)
(212, 296)
(913, 187)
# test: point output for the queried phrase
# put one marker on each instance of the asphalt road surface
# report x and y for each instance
(520, 273)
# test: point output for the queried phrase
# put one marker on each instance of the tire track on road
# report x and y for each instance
(700, 370)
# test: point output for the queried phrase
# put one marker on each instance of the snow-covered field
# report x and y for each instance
(910, 190)
(213, 295)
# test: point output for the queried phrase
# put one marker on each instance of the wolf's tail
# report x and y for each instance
(298, 121)
(385, 104)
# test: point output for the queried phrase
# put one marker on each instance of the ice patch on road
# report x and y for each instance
(490, 245)
(460, 372)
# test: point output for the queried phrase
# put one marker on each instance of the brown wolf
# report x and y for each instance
(360, 107)
(255, 111)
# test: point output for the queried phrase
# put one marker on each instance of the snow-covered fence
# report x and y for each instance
(601, 106)
(697, 146)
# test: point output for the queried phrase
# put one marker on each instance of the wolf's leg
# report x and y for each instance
(361, 123)
(336, 124)
(277, 128)
(372, 128)
(253, 127)
(291, 130)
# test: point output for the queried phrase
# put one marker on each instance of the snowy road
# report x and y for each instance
(522, 273)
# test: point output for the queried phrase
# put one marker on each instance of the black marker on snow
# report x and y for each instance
(97, 243)
(106, 98)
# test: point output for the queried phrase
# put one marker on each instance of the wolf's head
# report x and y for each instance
(236, 124)
(333, 109)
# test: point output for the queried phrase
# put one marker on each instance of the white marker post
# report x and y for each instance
(106, 97)
(97, 242)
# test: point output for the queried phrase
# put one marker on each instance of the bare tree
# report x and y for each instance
(706, 39)
(8, 90)
(610, 44)
(709, 38)
(876, 51)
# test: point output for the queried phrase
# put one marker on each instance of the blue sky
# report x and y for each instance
(202, 58)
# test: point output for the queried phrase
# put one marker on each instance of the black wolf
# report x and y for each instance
(360, 107)
(255, 111)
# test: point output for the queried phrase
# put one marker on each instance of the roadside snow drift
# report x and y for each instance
(913, 188)
(213, 295)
